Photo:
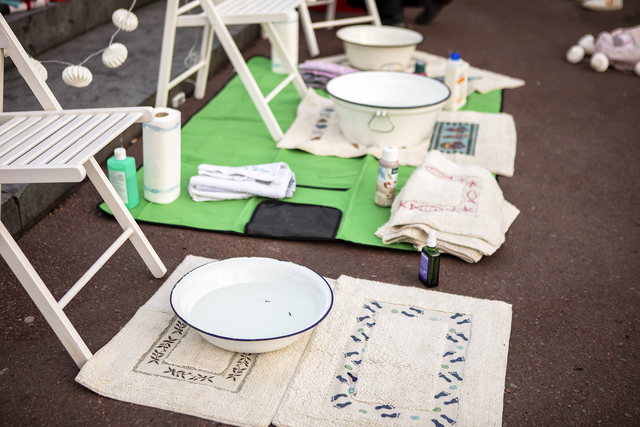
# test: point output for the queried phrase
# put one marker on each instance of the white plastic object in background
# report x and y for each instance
(588, 42)
(125, 20)
(115, 55)
(636, 69)
(161, 156)
(77, 76)
(456, 80)
(599, 62)
(288, 33)
(575, 54)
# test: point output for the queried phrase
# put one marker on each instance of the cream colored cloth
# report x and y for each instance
(416, 334)
(481, 81)
(331, 382)
(157, 361)
(317, 131)
(463, 203)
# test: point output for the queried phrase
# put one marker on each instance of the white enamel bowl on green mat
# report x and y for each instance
(251, 305)
(378, 108)
(382, 48)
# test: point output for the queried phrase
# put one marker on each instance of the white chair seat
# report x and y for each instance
(53, 146)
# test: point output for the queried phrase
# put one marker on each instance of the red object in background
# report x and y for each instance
(341, 6)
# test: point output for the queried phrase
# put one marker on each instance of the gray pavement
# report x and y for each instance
(569, 266)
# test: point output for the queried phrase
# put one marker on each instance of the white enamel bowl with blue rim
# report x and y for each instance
(251, 305)
(378, 108)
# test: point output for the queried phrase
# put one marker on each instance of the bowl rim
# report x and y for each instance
(382, 106)
(397, 29)
(252, 339)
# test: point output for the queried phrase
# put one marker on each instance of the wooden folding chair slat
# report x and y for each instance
(68, 154)
(41, 150)
(60, 146)
(105, 137)
(26, 135)
(21, 131)
(68, 141)
(8, 156)
(6, 127)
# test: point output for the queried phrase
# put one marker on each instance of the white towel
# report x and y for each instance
(463, 203)
(213, 183)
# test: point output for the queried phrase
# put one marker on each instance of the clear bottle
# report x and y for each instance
(387, 176)
(456, 78)
(122, 174)
(421, 68)
(430, 262)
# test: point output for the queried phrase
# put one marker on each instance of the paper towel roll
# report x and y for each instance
(161, 156)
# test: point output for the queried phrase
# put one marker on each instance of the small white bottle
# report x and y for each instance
(387, 176)
(456, 78)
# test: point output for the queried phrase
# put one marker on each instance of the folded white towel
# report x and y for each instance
(272, 180)
(463, 203)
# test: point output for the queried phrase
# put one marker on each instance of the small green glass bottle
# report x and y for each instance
(430, 262)
(122, 174)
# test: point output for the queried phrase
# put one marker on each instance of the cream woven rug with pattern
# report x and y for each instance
(385, 356)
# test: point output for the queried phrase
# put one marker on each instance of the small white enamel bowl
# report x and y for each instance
(384, 48)
(251, 305)
(378, 108)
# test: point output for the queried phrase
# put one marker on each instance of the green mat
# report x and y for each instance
(229, 131)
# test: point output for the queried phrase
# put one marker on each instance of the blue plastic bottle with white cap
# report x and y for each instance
(456, 78)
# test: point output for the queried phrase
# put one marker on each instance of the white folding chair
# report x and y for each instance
(59, 145)
(308, 26)
(215, 18)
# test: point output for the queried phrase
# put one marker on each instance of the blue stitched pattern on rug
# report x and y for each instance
(452, 138)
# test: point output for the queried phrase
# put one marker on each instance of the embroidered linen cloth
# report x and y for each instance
(463, 203)
(273, 180)
(465, 137)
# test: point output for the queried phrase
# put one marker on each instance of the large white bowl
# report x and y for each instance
(378, 108)
(251, 305)
(374, 48)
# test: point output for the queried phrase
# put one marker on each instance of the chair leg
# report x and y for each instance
(373, 11)
(291, 68)
(238, 62)
(43, 299)
(205, 55)
(124, 218)
(307, 29)
(166, 54)
(331, 11)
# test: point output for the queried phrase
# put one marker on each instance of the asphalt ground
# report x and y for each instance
(569, 265)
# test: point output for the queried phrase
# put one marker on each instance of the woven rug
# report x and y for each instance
(385, 356)
(487, 140)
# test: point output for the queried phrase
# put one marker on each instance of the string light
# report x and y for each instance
(113, 55)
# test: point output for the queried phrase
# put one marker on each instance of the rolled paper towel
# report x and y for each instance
(161, 156)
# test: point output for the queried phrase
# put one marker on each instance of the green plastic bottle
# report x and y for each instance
(122, 174)
(430, 262)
